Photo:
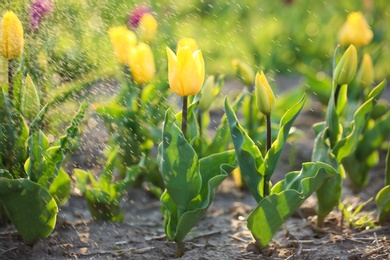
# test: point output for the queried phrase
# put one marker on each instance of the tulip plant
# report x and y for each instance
(32, 182)
(275, 203)
(190, 181)
(337, 138)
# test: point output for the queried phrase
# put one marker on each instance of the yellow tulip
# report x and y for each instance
(243, 71)
(346, 68)
(264, 96)
(123, 40)
(355, 31)
(11, 36)
(185, 71)
(148, 27)
(189, 42)
(141, 63)
(365, 75)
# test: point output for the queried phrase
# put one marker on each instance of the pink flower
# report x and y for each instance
(38, 10)
(136, 14)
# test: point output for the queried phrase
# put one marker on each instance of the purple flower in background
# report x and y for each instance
(136, 14)
(38, 10)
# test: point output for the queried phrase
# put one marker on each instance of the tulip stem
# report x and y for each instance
(250, 121)
(269, 134)
(200, 122)
(184, 116)
(269, 141)
(10, 80)
(336, 94)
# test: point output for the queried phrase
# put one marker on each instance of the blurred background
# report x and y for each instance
(71, 39)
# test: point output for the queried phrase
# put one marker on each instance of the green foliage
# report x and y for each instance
(256, 168)
(36, 189)
(30, 207)
(383, 204)
(103, 195)
(335, 142)
(285, 198)
(190, 182)
(351, 215)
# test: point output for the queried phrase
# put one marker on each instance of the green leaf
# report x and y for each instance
(13, 137)
(347, 145)
(61, 187)
(30, 103)
(272, 157)
(179, 169)
(38, 143)
(387, 170)
(383, 204)
(190, 183)
(249, 156)
(286, 197)
(31, 208)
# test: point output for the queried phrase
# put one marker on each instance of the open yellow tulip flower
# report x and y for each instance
(123, 40)
(355, 30)
(141, 63)
(186, 71)
(264, 94)
(11, 36)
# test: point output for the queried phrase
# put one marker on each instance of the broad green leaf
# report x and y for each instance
(30, 103)
(31, 208)
(38, 143)
(348, 144)
(61, 187)
(330, 193)
(383, 204)
(332, 119)
(272, 157)
(180, 169)
(103, 206)
(249, 156)
(286, 197)
(190, 183)
(13, 137)
(214, 169)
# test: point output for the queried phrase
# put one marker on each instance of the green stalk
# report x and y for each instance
(269, 142)
(10, 80)
(250, 122)
(184, 116)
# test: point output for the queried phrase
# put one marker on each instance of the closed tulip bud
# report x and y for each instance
(355, 31)
(11, 36)
(244, 72)
(189, 42)
(123, 40)
(185, 71)
(346, 68)
(141, 63)
(264, 96)
(148, 27)
(209, 91)
(29, 99)
(365, 75)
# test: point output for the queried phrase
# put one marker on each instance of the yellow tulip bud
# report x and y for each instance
(141, 63)
(365, 75)
(123, 40)
(189, 42)
(11, 36)
(355, 30)
(346, 68)
(185, 71)
(264, 96)
(148, 27)
(244, 72)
